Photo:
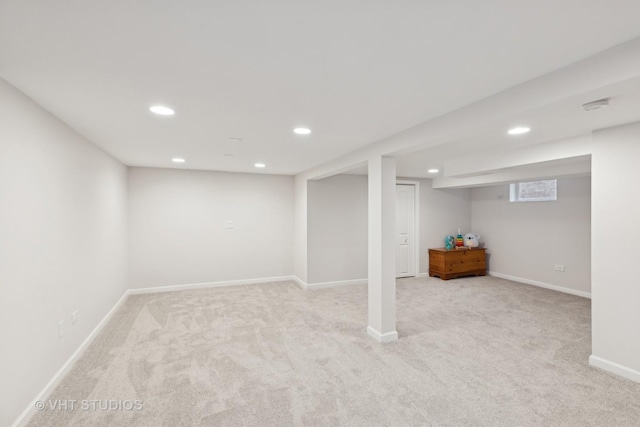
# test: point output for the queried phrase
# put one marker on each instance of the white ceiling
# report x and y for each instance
(353, 71)
(563, 119)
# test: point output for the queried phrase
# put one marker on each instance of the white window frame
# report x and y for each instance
(514, 192)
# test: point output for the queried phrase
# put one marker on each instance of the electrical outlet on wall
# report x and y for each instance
(559, 267)
(229, 224)
(74, 317)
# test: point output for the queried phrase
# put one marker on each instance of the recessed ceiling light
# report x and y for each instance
(178, 160)
(518, 130)
(302, 131)
(162, 110)
(433, 171)
(260, 165)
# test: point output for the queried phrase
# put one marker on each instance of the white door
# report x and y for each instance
(405, 231)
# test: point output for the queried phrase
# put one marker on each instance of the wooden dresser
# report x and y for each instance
(457, 262)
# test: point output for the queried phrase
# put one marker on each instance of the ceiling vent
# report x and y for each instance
(596, 105)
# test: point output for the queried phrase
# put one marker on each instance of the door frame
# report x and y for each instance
(416, 220)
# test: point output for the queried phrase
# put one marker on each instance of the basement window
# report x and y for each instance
(534, 191)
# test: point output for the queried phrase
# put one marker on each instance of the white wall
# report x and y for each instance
(337, 215)
(615, 234)
(177, 228)
(442, 212)
(337, 228)
(527, 239)
(62, 245)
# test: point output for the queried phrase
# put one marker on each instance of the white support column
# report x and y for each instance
(382, 255)
(615, 289)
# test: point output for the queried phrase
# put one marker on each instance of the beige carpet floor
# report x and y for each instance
(475, 351)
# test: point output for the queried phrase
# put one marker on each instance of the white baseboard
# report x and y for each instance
(300, 282)
(306, 286)
(614, 368)
(338, 283)
(383, 338)
(540, 284)
(26, 415)
(173, 288)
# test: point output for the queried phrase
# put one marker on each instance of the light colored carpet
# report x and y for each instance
(475, 351)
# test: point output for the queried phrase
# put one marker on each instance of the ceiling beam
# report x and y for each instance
(539, 153)
(582, 168)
